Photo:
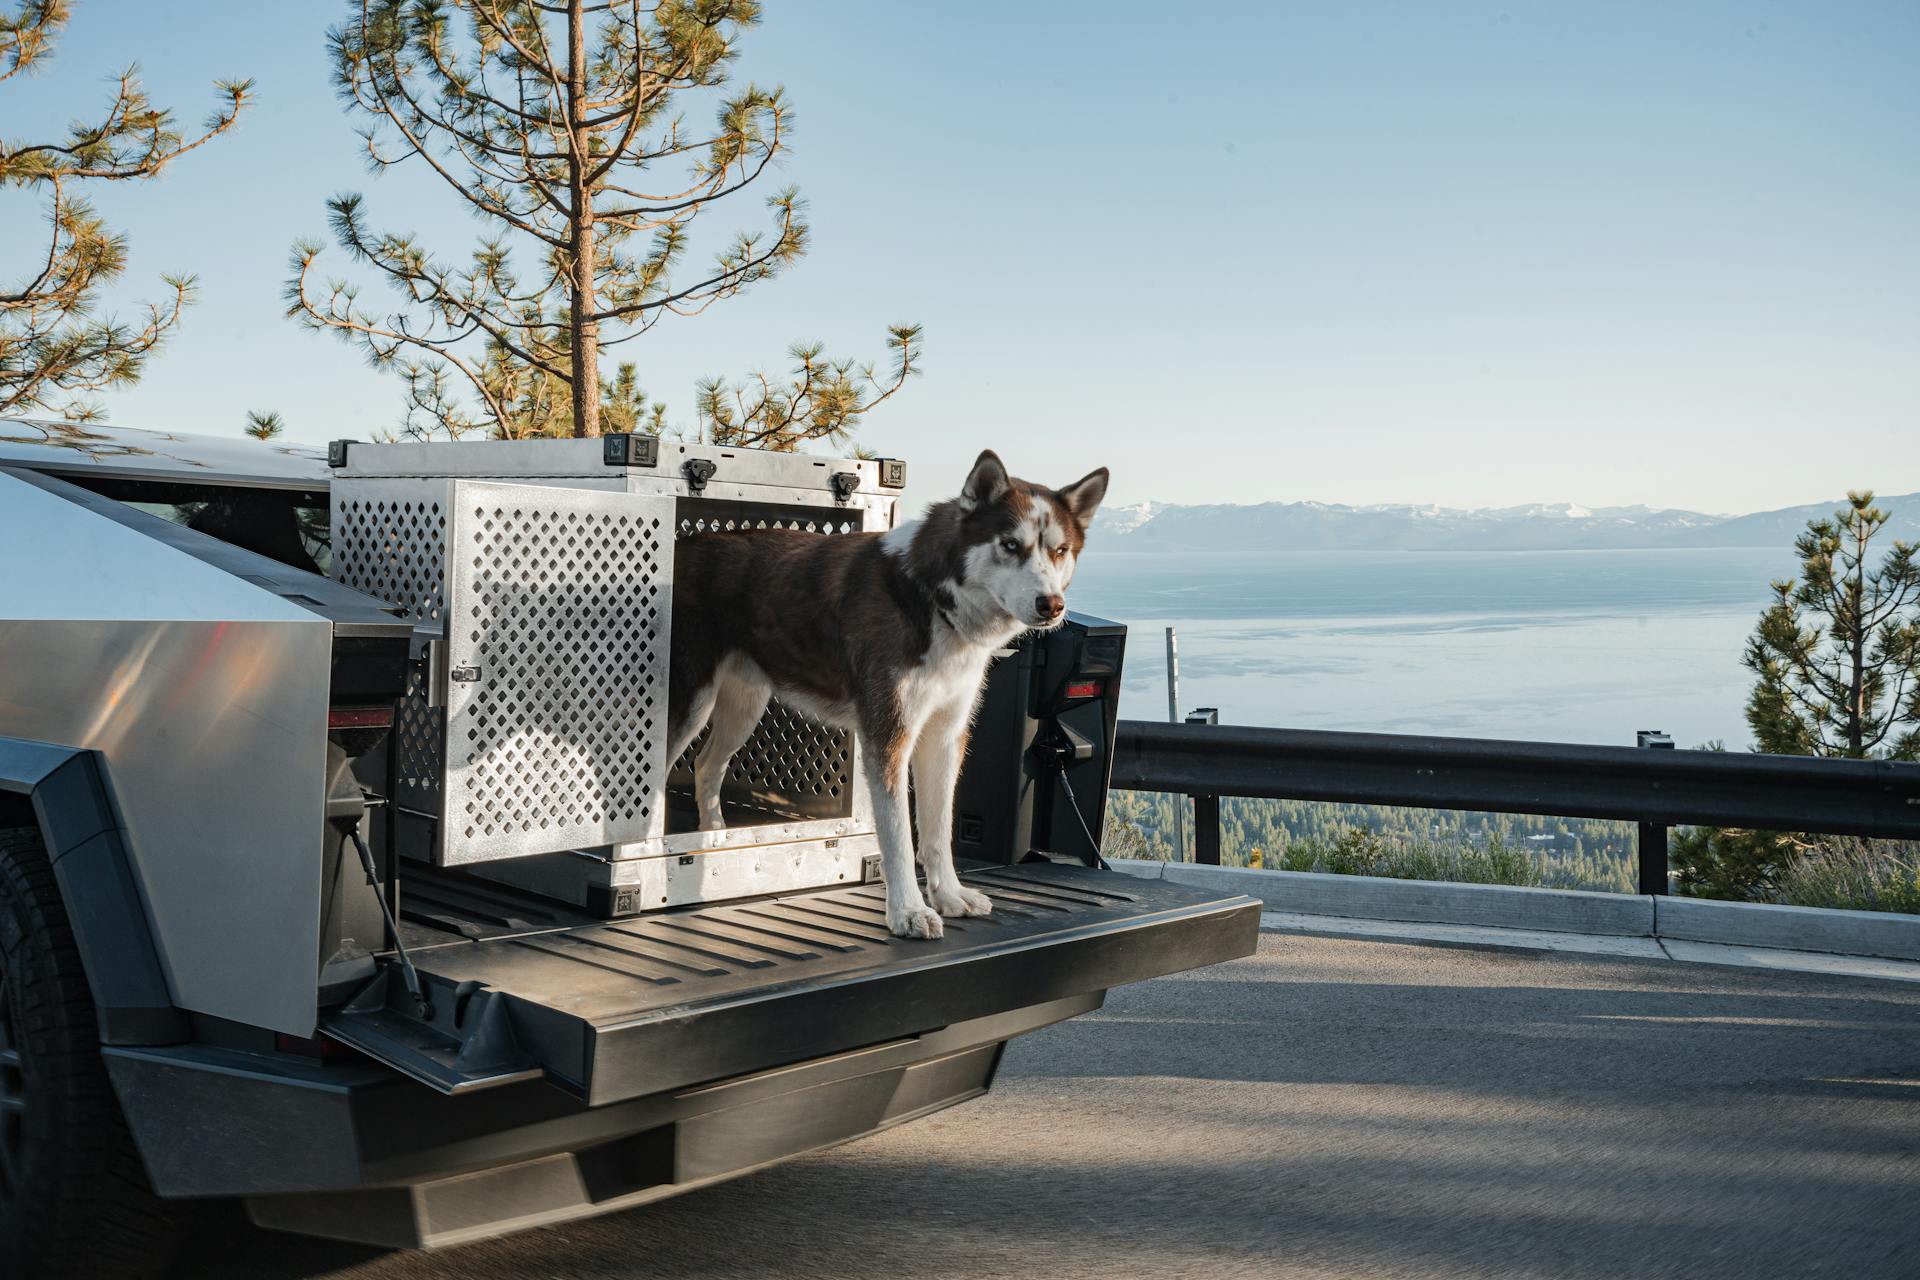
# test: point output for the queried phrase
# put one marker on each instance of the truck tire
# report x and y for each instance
(74, 1197)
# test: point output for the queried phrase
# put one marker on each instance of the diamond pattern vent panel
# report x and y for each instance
(561, 604)
(387, 542)
(719, 521)
(792, 768)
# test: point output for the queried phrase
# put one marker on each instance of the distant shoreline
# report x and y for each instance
(1126, 549)
(1319, 526)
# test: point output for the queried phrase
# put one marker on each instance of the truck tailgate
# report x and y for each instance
(618, 1010)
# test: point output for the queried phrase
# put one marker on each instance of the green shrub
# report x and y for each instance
(1360, 851)
(1730, 863)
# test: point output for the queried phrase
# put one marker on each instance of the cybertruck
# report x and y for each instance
(343, 871)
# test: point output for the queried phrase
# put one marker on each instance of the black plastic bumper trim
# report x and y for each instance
(219, 1122)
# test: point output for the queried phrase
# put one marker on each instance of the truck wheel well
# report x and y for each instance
(16, 811)
(60, 796)
(80, 1203)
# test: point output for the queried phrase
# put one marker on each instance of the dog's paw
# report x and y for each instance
(962, 901)
(914, 922)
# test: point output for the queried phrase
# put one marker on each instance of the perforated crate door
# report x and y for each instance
(558, 635)
(389, 540)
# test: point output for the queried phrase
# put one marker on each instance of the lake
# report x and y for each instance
(1566, 646)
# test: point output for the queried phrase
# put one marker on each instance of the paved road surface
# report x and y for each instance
(1329, 1108)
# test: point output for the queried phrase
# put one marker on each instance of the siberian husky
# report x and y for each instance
(885, 634)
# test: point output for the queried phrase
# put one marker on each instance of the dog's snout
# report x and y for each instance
(1049, 607)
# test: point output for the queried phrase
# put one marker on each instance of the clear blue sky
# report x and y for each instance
(1458, 253)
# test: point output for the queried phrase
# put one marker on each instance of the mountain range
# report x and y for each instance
(1311, 526)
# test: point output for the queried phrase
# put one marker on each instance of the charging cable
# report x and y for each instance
(1082, 819)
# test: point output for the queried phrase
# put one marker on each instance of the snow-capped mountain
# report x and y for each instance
(1307, 526)
(1125, 519)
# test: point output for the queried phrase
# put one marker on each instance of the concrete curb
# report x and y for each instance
(1771, 959)
(1749, 924)
(1884, 935)
(1495, 906)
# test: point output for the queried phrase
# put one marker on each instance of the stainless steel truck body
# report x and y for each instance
(335, 813)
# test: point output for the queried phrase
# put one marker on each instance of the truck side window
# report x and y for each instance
(288, 525)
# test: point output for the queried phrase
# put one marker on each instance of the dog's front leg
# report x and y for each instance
(908, 915)
(936, 768)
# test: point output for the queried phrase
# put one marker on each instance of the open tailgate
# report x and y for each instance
(622, 1009)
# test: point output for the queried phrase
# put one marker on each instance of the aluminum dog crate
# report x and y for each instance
(542, 573)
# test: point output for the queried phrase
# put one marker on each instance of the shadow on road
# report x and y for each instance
(223, 1243)
(1327, 1108)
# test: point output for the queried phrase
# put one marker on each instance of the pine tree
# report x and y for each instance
(53, 342)
(560, 123)
(1836, 658)
(1837, 654)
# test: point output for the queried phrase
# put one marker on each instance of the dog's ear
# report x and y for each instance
(1083, 496)
(987, 482)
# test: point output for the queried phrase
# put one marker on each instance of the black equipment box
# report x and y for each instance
(1037, 768)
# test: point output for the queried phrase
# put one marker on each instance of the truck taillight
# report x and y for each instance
(359, 717)
(1086, 688)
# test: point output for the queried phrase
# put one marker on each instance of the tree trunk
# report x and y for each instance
(586, 329)
(1856, 702)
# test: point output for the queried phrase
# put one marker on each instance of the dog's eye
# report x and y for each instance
(1010, 545)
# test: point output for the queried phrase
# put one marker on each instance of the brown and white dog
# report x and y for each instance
(886, 634)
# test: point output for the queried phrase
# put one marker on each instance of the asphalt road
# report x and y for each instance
(1328, 1108)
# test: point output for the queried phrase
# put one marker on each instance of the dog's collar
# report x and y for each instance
(945, 613)
(941, 598)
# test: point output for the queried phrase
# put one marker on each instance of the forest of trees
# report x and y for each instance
(1565, 853)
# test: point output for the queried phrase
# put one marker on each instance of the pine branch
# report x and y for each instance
(27, 35)
(50, 341)
(264, 426)
(823, 400)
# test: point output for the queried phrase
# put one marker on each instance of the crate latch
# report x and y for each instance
(699, 471)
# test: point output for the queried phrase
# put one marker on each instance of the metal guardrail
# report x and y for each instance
(1657, 789)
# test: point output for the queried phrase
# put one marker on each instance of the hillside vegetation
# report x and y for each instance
(1414, 844)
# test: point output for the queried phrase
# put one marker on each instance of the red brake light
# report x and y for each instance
(359, 717)
(1085, 689)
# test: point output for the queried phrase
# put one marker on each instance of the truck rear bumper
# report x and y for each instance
(561, 1072)
(359, 1153)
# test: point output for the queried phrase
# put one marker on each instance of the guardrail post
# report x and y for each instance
(1173, 717)
(1652, 847)
(1206, 809)
(1206, 830)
